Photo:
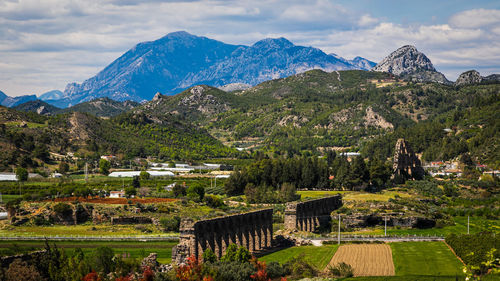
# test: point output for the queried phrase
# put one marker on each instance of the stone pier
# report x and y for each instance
(310, 215)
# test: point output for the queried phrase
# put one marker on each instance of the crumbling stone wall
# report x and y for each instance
(309, 215)
(406, 164)
(252, 230)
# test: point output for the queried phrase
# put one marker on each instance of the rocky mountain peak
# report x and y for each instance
(405, 60)
(157, 96)
(273, 43)
(469, 77)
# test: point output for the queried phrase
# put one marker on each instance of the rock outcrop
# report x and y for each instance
(469, 77)
(406, 163)
(410, 64)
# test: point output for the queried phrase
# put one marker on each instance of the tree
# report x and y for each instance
(288, 192)
(41, 152)
(63, 167)
(104, 166)
(135, 182)
(21, 174)
(179, 191)
(130, 191)
(102, 260)
(144, 175)
(144, 191)
(196, 191)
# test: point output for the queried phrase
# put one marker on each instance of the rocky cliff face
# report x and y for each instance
(406, 164)
(469, 77)
(181, 60)
(408, 63)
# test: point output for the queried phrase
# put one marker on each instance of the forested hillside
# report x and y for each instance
(26, 139)
(316, 111)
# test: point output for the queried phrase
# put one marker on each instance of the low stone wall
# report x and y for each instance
(253, 230)
(309, 215)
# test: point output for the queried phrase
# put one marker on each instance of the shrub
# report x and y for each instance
(213, 201)
(298, 268)
(171, 224)
(340, 270)
(63, 209)
(275, 270)
(196, 192)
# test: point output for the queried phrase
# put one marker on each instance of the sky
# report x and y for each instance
(46, 44)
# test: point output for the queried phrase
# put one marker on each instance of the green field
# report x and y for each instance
(134, 249)
(477, 224)
(6, 198)
(352, 195)
(425, 258)
(317, 256)
(88, 229)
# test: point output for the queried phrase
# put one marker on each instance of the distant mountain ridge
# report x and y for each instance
(13, 101)
(101, 107)
(180, 60)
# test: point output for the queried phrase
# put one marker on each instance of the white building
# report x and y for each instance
(117, 194)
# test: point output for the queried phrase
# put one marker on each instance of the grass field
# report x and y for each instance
(6, 198)
(135, 249)
(78, 230)
(477, 224)
(352, 195)
(317, 256)
(425, 258)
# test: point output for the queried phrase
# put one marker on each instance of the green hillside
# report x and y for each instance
(317, 110)
(26, 139)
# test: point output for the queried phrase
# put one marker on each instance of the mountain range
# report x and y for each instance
(181, 60)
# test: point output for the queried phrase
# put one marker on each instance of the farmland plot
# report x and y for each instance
(366, 259)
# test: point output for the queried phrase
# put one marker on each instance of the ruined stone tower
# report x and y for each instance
(406, 163)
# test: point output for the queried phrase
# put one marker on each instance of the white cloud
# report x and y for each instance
(46, 44)
(476, 18)
(367, 20)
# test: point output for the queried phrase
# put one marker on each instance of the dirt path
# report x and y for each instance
(366, 259)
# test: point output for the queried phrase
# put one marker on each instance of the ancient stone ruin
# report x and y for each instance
(309, 215)
(406, 163)
(253, 230)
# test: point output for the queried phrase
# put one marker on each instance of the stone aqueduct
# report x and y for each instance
(253, 230)
(309, 215)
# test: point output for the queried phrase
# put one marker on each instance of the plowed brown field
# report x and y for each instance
(366, 259)
(97, 200)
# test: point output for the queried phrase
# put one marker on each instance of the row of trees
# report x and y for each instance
(266, 177)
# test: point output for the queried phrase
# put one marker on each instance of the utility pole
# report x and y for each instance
(339, 231)
(86, 172)
(467, 224)
(385, 231)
